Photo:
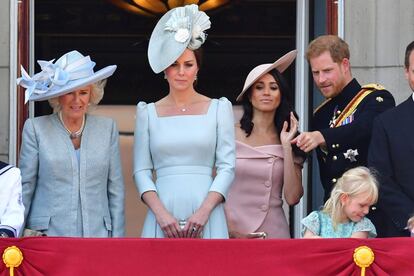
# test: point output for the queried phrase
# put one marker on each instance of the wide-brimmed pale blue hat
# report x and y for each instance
(70, 72)
(259, 71)
(178, 29)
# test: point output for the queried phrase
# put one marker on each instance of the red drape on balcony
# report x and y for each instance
(72, 256)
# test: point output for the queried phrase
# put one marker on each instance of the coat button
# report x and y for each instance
(333, 146)
(338, 112)
(334, 180)
(373, 208)
(334, 158)
(337, 145)
(267, 183)
(264, 208)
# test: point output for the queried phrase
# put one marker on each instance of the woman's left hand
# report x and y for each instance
(287, 136)
(195, 224)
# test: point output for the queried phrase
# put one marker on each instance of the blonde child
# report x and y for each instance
(343, 215)
(410, 225)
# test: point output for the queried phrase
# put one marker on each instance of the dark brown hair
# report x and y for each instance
(408, 51)
(282, 113)
(199, 53)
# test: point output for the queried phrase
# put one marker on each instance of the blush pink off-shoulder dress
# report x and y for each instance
(254, 202)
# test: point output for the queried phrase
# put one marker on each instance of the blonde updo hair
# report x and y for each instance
(97, 92)
(356, 181)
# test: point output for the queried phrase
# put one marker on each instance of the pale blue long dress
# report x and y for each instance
(183, 150)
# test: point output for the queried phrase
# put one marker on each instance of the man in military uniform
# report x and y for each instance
(342, 123)
(391, 153)
(11, 206)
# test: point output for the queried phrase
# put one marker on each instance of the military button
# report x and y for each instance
(338, 112)
(334, 158)
(337, 146)
(333, 180)
(373, 208)
(333, 146)
(264, 208)
(267, 183)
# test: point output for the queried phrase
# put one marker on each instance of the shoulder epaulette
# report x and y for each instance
(321, 105)
(374, 86)
(370, 87)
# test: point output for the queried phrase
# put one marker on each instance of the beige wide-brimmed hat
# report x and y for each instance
(259, 71)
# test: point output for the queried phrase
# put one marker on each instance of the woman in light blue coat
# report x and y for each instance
(70, 162)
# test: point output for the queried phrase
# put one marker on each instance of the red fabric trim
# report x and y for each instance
(128, 256)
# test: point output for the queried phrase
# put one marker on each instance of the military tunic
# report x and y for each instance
(347, 144)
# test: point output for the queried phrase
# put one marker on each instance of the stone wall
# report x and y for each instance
(378, 31)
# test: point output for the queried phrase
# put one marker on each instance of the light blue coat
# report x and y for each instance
(56, 190)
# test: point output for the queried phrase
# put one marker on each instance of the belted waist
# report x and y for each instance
(184, 170)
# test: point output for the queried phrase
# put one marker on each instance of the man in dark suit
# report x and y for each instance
(391, 153)
(342, 123)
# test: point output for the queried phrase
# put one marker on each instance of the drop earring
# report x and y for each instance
(195, 78)
(165, 76)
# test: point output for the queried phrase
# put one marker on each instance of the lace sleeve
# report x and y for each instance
(365, 225)
(312, 223)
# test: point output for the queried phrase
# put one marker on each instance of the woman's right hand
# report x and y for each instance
(169, 225)
(167, 222)
(287, 136)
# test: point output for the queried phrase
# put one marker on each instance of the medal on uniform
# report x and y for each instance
(335, 115)
(350, 154)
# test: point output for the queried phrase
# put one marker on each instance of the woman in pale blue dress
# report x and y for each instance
(343, 215)
(181, 138)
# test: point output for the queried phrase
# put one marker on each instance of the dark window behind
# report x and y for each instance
(243, 34)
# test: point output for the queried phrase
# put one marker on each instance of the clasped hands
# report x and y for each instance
(173, 228)
(185, 230)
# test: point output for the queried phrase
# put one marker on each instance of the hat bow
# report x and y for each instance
(67, 68)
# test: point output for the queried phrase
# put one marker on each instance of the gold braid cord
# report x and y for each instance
(365, 91)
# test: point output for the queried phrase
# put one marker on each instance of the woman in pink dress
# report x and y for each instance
(268, 165)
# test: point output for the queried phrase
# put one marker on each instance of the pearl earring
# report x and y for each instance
(195, 78)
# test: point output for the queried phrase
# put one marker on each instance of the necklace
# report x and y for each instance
(183, 108)
(75, 134)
